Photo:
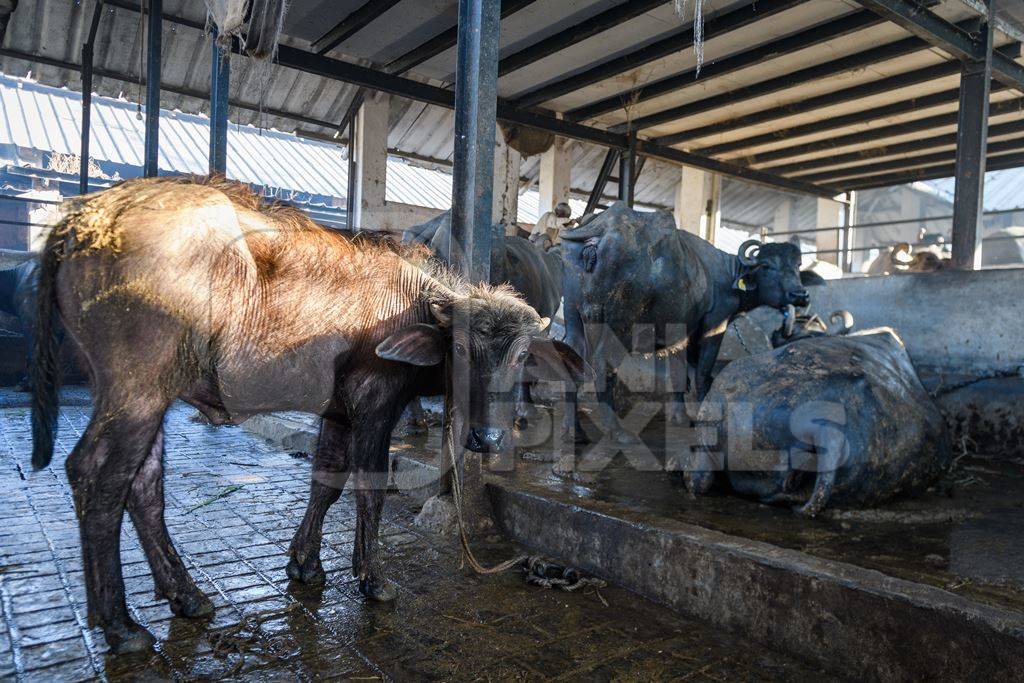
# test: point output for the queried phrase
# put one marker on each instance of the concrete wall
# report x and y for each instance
(952, 321)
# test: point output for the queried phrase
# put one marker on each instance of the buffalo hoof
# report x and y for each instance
(192, 604)
(380, 590)
(128, 637)
(311, 572)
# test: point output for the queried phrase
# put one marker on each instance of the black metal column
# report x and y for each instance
(476, 92)
(627, 167)
(154, 25)
(220, 75)
(87, 58)
(602, 181)
(353, 171)
(971, 147)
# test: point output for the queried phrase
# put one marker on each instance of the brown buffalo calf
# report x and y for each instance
(190, 288)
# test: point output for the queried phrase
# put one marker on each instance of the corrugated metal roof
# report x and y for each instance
(53, 29)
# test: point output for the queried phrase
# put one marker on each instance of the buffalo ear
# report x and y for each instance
(417, 344)
(554, 360)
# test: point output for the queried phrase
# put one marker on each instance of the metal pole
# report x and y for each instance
(353, 171)
(627, 165)
(469, 250)
(971, 147)
(602, 180)
(220, 74)
(476, 92)
(87, 58)
(154, 24)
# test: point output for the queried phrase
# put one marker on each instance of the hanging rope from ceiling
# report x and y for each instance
(698, 26)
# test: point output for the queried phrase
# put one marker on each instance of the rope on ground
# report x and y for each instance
(538, 572)
(944, 388)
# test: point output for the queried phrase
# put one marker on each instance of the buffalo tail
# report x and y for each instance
(45, 368)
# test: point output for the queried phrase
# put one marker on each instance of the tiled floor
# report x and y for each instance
(233, 504)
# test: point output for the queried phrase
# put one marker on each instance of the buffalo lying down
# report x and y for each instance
(824, 420)
(187, 288)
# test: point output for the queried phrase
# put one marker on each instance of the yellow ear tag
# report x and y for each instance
(741, 285)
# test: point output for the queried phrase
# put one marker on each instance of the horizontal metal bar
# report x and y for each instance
(610, 18)
(184, 92)
(444, 41)
(879, 224)
(928, 173)
(907, 162)
(396, 85)
(816, 35)
(831, 99)
(879, 133)
(836, 122)
(29, 200)
(846, 64)
(944, 35)
(354, 22)
(652, 149)
(945, 140)
(681, 40)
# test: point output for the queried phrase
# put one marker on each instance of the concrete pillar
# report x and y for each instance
(555, 175)
(371, 162)
(507, 163)
(782, 221)
(830, 214)
(698, 202)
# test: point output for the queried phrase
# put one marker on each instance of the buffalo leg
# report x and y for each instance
(708, 354)
(101, 469)
(828, 449)
(330, 471)
(146, 507)
(370, 487)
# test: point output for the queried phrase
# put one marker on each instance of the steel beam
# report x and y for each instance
(87, 72)
(928, 173)
(424, 52)
(842, 65)
(602, 180)
(971, 143)
(851, 23)
(835, 122)
(220, 74)
(154, 42)
(946, 36)
(906, 163)
(946, 140)
(681, 40)
(879, 133)
(403, 87)
(352, 24)
(610, 18)
(444, 41)
(843, 96)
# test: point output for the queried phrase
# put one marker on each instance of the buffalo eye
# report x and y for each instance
(521, 358)
(460, 350)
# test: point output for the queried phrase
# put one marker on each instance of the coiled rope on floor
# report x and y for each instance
(538, 571)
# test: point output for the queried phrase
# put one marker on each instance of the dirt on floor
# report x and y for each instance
(233, 503)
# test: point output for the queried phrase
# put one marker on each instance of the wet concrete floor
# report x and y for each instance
(964, 535)
(233, 504)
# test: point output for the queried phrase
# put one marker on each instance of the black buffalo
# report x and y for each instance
(18, 284)
(832, 420)
(797, 325)
(626, 268)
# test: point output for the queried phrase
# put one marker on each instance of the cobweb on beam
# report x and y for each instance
(680, 7)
